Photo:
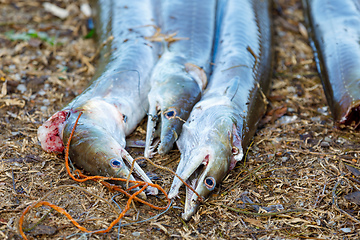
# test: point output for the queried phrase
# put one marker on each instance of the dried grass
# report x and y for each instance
(298, 165)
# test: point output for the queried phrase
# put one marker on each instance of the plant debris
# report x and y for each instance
(301, 167)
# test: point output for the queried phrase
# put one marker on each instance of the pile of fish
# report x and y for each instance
(212, 121)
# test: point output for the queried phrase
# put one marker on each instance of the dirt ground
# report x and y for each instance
(298, 161)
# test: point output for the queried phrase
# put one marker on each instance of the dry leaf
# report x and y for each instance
(353, 197)
(353, 170)
(55, 10)
(254, 222)
(43, 230)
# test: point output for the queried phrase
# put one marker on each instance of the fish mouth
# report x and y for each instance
(162, 131)
(193, 177)
(193, 181)
(201, 173)
(153, 132)
(192, 201)
(137, 171)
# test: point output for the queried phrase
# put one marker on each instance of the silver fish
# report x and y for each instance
(222, 123)
(334, 35)
(116, 101)
(181, 74)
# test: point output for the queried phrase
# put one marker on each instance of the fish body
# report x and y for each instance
(334, 35)
(181, 73)
(223, 122)
(116, 100)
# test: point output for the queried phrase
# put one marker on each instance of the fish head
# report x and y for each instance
(169, 107)
(98, 141)
(175, 112)
(207, 155)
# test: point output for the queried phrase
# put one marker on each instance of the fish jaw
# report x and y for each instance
(209, 163)
(152, 130)
(170, 104)
(204, 182)
(187, 166)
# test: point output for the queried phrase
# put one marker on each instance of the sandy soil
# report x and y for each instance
(298, 161)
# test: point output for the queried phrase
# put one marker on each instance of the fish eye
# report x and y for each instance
(170, 114)
(235, 150)
(115, 163)
(210, 183)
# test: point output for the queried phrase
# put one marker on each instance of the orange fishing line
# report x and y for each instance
(99, 179)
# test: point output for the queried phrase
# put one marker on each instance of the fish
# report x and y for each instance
(334, 34)
(223, 122)
(181, 73)
(116, 100)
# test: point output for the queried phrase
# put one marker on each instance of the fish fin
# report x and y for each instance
(232, 87)
(198, 74)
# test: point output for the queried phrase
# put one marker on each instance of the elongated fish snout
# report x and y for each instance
(202, 170)
(106, 157)
(152, 130)
(207, 153)
(170, 106)
(170, 129)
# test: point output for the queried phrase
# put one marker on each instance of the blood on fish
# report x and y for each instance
(206, 160)
(49, 134)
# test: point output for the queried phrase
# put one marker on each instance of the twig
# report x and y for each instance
(130, 172)
(334, 201)
(13, 23)
(38, 222)
(254, 55)
(263, 231)
(153, 217)
(110, 38)
(251, 234)
(247, 151)
(169, 170)
(244, 178)
(119, 227)
(263, 214)
(14, 186)
(160, 37)
(322, 194)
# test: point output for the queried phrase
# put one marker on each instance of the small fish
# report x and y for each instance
(116, 101)
(181, 73)
(222, 123)
(334, 36)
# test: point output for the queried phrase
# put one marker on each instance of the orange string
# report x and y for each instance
(100, 179)
(200, 198)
